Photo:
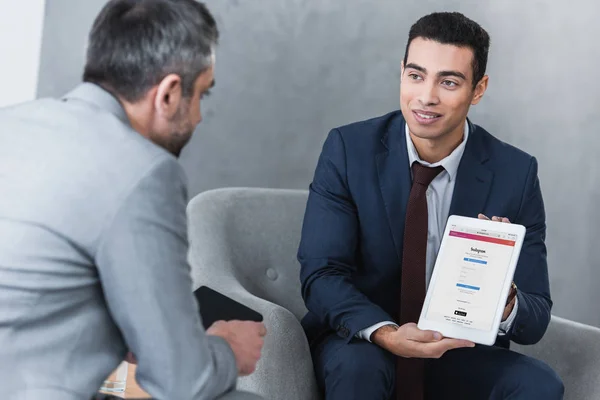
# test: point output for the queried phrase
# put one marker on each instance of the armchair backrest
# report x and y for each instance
(252, 234)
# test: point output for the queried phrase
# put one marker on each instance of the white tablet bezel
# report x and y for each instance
(460, 332)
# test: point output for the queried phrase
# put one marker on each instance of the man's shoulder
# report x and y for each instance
(116, 145)
(373, 127)
(123, 156)
(98, 150)
(500, 151)
(75, 125)
(365, 137)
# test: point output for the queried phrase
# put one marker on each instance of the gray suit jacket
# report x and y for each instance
(93, 257)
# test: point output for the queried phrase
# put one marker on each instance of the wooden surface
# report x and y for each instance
(132, 390)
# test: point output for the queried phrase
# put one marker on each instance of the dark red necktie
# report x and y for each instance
(410, 371)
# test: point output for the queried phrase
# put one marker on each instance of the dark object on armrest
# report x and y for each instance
(215, 306)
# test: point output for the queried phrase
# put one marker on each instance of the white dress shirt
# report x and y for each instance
(439, 197)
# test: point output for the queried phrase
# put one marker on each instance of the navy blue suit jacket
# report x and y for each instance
(351, 247)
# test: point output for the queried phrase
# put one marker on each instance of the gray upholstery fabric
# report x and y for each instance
(243, 243)
(240, 396)
(573, 350)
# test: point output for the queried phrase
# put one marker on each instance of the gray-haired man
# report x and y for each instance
(93, 239)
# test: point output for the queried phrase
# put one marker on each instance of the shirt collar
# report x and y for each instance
(449, 163)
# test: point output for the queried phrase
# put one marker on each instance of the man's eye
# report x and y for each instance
(449, 83)
(414, 76)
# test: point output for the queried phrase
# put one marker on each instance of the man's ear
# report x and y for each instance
(401, 69)
(168, 96)
(480, 90)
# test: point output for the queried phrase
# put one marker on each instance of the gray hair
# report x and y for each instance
(134, 44)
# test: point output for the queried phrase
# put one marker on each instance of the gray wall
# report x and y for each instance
(290, 70)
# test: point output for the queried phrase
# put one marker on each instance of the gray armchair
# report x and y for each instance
(573, 350)
(243, 243)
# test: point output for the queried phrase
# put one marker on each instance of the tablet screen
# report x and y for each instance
(473, 266)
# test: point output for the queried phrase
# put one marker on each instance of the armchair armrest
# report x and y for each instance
(285, 370)
(573, 351)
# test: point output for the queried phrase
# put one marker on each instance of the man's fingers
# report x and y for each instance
(437, 349)
(449, 344)
(458, 343)
(494, 218)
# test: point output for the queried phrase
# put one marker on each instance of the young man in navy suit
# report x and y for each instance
(364, 279)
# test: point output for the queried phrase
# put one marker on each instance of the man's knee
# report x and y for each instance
(367, 365)
(549, 385)
(533, 380)
(362, 362)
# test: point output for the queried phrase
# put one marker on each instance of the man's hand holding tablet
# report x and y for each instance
(411, 342)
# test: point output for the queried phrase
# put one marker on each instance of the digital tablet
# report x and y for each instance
(471, 279)
(215, 306)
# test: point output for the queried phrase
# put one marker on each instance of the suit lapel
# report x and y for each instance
(474, 179)
(395, 180)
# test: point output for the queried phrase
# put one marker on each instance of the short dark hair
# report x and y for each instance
(455, 29)
(134, 44)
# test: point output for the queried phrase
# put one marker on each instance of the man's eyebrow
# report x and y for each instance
(457, 74)
(440, 74)
(417, 67)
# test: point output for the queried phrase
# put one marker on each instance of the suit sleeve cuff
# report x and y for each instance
(366, 333)
(506, 325)
(224, 361)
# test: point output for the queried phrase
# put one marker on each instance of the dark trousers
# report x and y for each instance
(361, 370)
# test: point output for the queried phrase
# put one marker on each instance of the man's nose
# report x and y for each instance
(429, 95)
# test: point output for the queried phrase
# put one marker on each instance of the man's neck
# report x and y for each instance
(137, 113)
(435, 150)
(138, 117)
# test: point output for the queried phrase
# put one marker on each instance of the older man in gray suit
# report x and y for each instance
(93, 239)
